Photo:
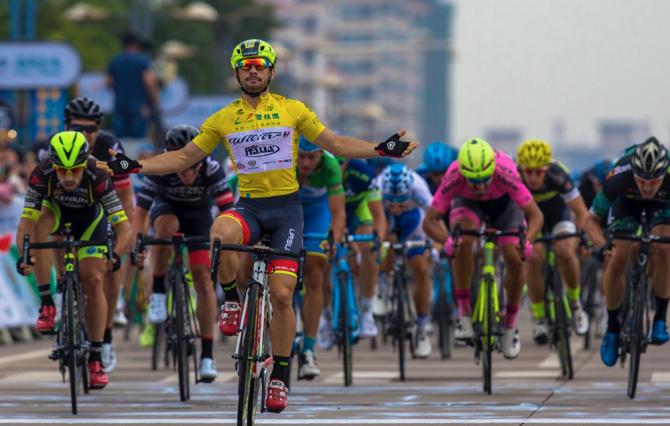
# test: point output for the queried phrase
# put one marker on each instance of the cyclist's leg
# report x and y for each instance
(46, 224)
(623, 217)
(317, 221)
(535, 284)
(369, 270)
(196, 223)
(467, 215)
(660, 277)
(165, 224)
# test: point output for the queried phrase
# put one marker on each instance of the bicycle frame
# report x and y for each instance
(252, 350)
(71, 340)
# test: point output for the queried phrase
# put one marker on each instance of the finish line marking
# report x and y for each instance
(23, 356)
(383, 421)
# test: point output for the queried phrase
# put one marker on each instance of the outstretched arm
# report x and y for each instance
(173, 161)
(351, 147)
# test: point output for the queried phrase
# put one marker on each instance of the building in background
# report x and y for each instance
(369, 67)
(617, 135)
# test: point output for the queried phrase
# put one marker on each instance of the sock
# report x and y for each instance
(308, 344)
(207, 347)
(159, 284)
(422, 321)
(613, 325)
(573, 296)
(661, 309)
(94, 351)
(45, 294)
(280, 370)
(463, 302)
(108, 336)
(230, 290)
(537, 310)
(366, 304)
(510, 316)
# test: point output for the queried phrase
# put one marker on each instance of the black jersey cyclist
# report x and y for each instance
(638, 181)
(182, 202)
(67, 190)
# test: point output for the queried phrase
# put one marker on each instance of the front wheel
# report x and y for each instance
(346, 327)
(71, 353)
(488, 337)
(246, 358)
(400, 323)
(636, 342)
(181, 339)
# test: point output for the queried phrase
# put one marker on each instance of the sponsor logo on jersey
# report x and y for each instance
(260, 150)
(257, 137)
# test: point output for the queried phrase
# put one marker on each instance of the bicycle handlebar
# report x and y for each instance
(175, 240)
(637, 238)
(547, 239)
(492, 235)
(407, 244)
(67, 243)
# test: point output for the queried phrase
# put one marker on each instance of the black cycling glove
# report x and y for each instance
(122, 165)
(392, 147)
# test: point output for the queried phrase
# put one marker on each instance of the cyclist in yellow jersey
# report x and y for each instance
(260, 131)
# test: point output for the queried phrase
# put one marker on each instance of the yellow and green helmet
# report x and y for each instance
(253, 48)
(68, 149)
(476, 159)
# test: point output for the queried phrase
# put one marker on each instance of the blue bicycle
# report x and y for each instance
(443, 304)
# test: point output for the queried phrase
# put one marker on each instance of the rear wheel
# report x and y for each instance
(71, 354)
(400, 323)
(487, 338)
(444, 318)
(345, 325)
(180, 343)
(636, 340)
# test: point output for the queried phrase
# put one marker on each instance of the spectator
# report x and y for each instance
(135, 88)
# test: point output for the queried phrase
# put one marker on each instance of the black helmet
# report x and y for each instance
(178, 136)
(82, 108)
(650, 159)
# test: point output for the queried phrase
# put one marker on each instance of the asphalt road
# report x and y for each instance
(525, 391)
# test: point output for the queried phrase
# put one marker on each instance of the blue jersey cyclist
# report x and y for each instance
(322, 198)
(437, 157)
(405, 196)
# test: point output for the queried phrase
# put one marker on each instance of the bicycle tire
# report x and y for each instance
(180, 343)
(82, 355)
(487, 344)
(636, 343)
(156, 349)
(401, 326)
(246, 357)
(259, 384)
(590, 274)
(561, 325)
(346, 329)
(444, 318)
(71, 353)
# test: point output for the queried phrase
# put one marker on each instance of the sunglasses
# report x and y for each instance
(259, 63)
(75, 171)
(90, 128)
(534, 171)
(479, 181)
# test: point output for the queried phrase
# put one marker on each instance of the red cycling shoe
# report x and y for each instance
(277, 399)
(229, 320)
(97, 378)
(46, 321)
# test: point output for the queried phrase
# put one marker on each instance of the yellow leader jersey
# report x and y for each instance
(262, 143)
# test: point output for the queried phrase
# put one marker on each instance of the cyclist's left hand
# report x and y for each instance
(114, 263)
(396, 148)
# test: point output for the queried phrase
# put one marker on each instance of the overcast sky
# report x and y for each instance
(530, 62)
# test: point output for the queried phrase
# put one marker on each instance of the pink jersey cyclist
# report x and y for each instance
(493, 204)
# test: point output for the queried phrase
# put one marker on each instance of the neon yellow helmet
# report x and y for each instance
(253, 48)
(534, 153)
(476, 159)
(68, 149)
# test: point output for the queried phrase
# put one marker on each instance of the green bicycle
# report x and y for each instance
(487, 314)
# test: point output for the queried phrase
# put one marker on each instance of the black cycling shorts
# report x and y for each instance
(86, 224)
(192, 222)
(624, 216)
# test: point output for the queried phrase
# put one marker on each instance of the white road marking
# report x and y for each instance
(32, 377)
(363, 375)
(23, 356)
(383, 421)
(222, 377)
(525, 374)
(550, 362)
(660, 377)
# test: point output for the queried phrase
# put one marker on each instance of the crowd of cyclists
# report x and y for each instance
(299, 184)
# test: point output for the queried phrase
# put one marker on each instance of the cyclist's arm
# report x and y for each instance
(535, 220)
(378, 217)
(26, 226)
(173, 161)
(124, 235)
(126, 195)
(338, 221)
(579, 209)
(346, 146)
(433, 225)
(593, 229)
(140, 220)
